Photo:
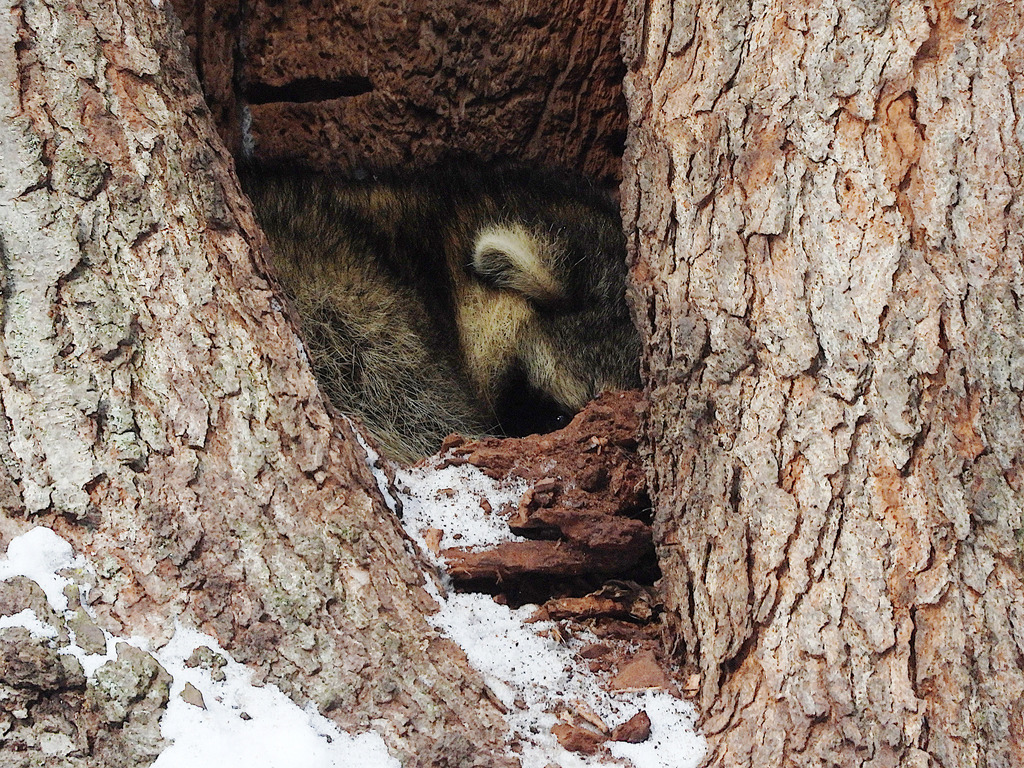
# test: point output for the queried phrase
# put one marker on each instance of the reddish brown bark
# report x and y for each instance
(371, 83)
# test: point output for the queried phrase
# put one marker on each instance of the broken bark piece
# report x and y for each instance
(594, 530)
(432, 538)
(642, 673)
(691, 685)
(546, 485)
(577, 739)
(192, 695)
(453, 440)
(585, 713)
(593, 479)
(617, 600)
(587, 490)
(545, 558)
(594, 651)
(635, 730)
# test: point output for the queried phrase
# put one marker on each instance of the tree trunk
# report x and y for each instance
(365, 83)
(157, 410)
(829, 224)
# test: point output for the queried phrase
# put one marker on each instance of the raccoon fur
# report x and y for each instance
(467, 298)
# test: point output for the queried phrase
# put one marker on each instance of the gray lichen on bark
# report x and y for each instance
(52, 713)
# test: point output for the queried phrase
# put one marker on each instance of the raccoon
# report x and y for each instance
(479, 299)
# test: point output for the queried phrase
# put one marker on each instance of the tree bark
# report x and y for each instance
(366, 83)
(828, 224)
(158, 412)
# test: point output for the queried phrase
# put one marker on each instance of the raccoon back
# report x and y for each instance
(376, 318)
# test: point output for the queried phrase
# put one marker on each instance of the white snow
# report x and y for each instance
(243, 726)
(449, 499)
(38, 555)
(536, 677)
(28, 620)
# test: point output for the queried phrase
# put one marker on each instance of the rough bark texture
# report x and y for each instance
(157, 410)
(829, 226)
(587, 501)
(397, 83)
(52, 713)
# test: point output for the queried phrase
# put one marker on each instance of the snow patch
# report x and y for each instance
(38, 555)
(449, 498)
(242, 726)
(27, 619)
(533, 675)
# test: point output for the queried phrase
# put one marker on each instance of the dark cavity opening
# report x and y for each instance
(308, 89)
(523, 410)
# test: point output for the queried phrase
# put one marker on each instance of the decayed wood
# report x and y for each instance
(365, 83)
(828, 243)
(587, 498)
(157, 409)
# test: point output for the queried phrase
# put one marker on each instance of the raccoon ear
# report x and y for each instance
(510, 256)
